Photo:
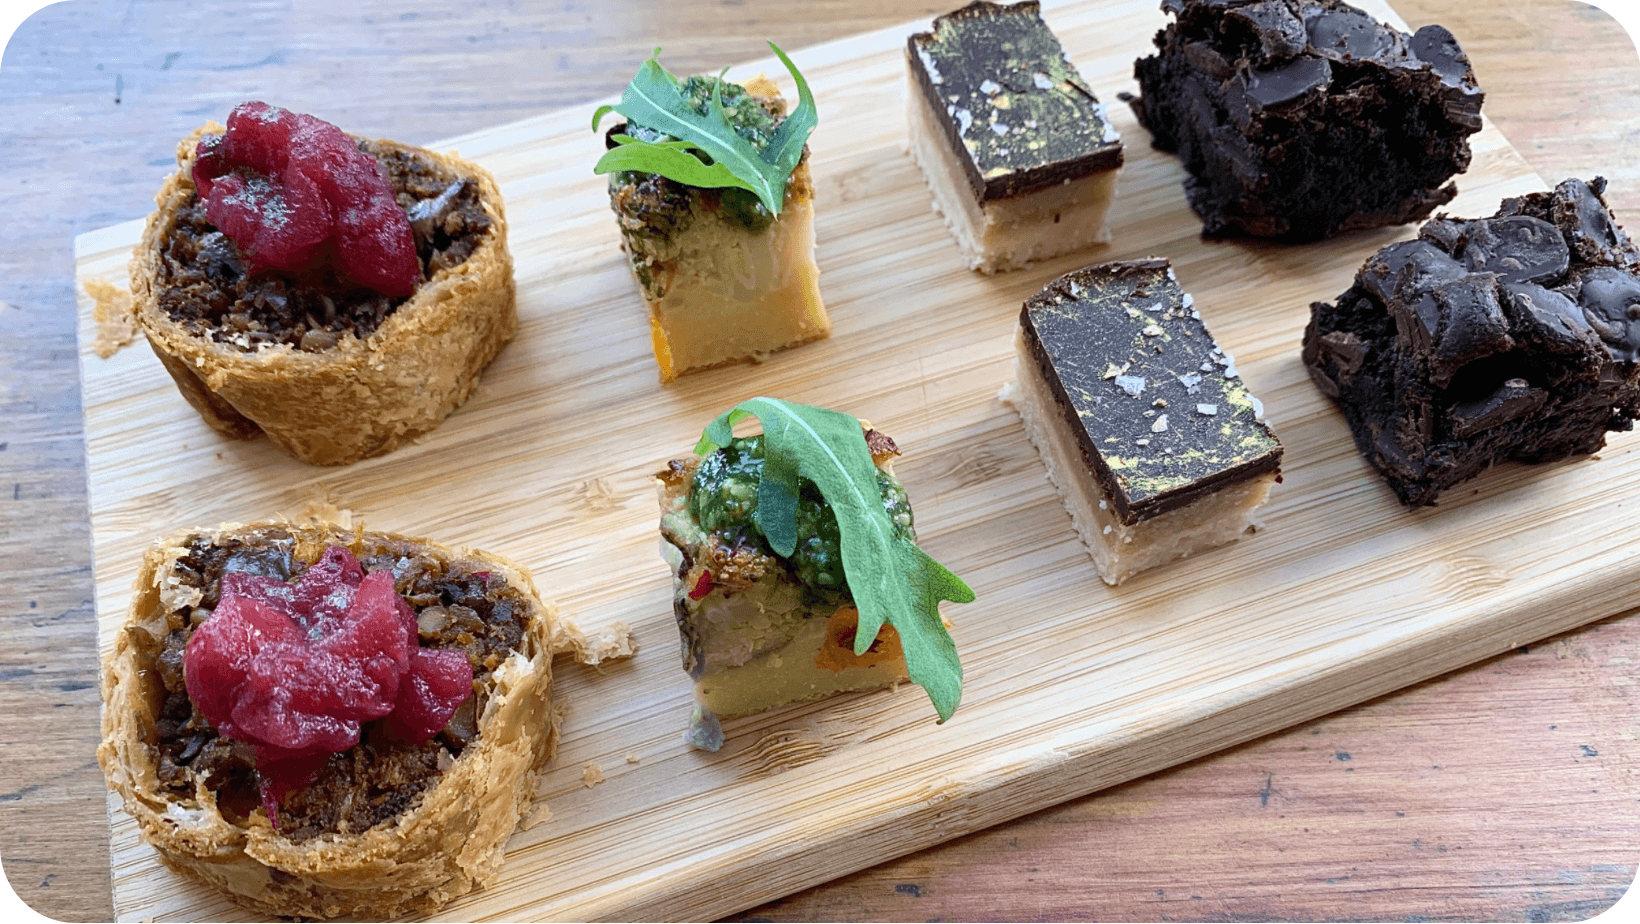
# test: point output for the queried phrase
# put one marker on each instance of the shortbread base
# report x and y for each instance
(1007, 234)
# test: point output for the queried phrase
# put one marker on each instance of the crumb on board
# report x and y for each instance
(631, 758)
(592, 775)
(599, 496)
(323, 509)
(537, 814)
(616, 641)
(111, 312)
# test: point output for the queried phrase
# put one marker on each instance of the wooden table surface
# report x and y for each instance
(1507, 791)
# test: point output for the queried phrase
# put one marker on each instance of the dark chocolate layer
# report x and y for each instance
(1505, 338)
(1301, 119)
(1159, 412)
(1016, 113)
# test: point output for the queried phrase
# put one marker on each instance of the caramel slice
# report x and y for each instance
(1157, 448)
(1018, 153)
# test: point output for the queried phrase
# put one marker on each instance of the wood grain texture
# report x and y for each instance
(1527, 837)
(1073, 687)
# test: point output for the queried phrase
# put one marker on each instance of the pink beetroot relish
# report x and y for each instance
(295, 669)
(295, 194)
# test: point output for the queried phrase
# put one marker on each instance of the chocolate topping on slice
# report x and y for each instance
(1514, 399)
(1549, 314)
(1015, 110)
(1281, 34)
(1346, 33)
(1611, 304)
(1577, 209)
(1283, 83)
(1438, 48)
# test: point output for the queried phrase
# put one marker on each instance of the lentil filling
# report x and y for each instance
(381, 777)
(205, 286)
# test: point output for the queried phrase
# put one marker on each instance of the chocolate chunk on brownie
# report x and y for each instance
(1301, 119)
(1513, 337)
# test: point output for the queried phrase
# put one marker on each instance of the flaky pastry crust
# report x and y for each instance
(362, 397)
(449, 840)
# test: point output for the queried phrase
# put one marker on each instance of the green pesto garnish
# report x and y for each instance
(686, 132)
(889, 577)
(723, 500)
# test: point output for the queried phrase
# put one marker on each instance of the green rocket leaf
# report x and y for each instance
(653, 100)
(785, 149)
(891, 579)
(671, 158)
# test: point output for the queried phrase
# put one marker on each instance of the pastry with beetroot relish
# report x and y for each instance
(325, 722)
(340, 294)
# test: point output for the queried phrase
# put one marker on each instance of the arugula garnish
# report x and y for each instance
(892, 580)
(654, 101)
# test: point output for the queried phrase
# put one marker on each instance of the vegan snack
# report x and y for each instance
(325, 722)
(1018, 153)
(340, 294)
(1157, 448)
(709, 181)
(1505, 338)
(1301, 119)
(796, 572)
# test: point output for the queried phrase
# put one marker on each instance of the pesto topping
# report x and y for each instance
(750, 120)
(723, 500)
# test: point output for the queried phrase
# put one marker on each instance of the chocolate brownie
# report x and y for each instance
(1301, 119)
(1513, 337)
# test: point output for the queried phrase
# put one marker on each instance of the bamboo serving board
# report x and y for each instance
(1072, 686)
